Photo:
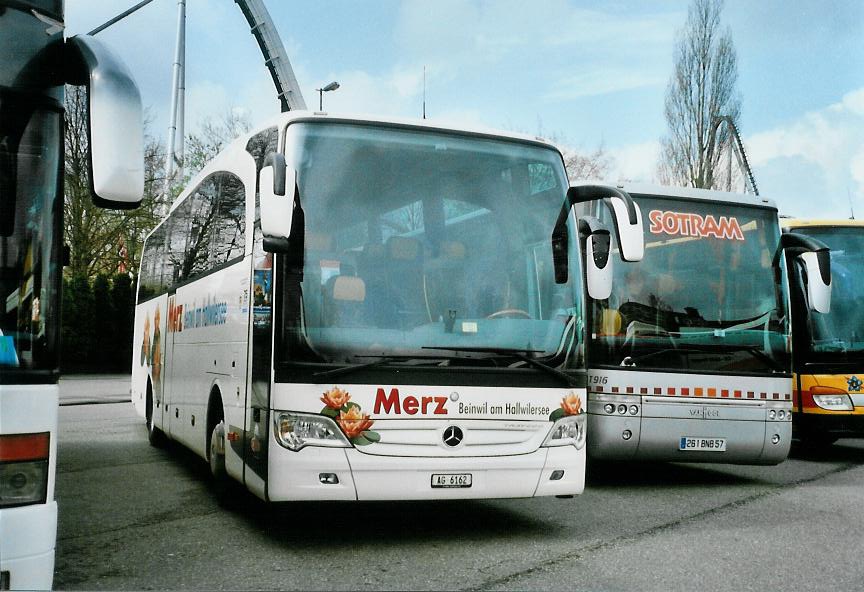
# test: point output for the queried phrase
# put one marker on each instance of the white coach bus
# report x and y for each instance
(689, 356)
(355, 309)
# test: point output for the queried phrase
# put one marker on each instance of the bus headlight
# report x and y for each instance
(297, 430)
(569, 430)
(833, 401)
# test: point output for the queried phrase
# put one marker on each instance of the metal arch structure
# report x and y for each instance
(740, 154)
(275, 57)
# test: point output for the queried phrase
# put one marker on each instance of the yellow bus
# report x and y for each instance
(828, 349)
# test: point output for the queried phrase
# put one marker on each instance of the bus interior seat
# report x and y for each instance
(343, 303)
(404, 272)
(611, 322)
(443, 280)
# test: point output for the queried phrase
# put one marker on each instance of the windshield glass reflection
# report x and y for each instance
(418, 239)
(703, 298)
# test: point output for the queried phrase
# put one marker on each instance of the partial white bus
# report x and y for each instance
(689, 356)
(396, 330)
(36, 61)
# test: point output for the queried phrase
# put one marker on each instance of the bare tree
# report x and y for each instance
(203, 145)
(100, 240)
(702, 88)
(595, 165)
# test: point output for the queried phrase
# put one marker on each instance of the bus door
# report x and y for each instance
(257, 400)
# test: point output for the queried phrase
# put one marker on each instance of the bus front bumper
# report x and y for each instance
(655, 434)
(837, 424)
(27, 538)
(303, 475)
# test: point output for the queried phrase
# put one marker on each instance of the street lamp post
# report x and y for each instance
(321, 91)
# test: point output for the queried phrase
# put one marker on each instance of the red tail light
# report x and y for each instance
(25, 447)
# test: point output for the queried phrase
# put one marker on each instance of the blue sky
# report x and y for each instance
(585, 73)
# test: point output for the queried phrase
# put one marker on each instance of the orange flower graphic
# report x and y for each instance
(353, 422)
(571, 404)
(335, 398)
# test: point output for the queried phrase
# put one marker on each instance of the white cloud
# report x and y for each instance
(829, 143)
(601, 80)
(635, 162)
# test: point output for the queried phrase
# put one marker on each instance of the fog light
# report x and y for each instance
(772, 414)
(634, 409)
(775, 439)
(626, 434)
(609, 408)
(622, 409)
(556, 475)
(328, 478)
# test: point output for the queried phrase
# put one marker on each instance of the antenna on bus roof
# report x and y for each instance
(851, 209)
(424, 92)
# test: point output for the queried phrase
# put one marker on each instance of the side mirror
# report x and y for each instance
(816, 257)
(631, 240)
(625, 212)
(276, 203)
(818, 287)
(115, 123)
(598, 263)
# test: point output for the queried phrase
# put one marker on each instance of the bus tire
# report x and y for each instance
(155, 436)
(216, 451)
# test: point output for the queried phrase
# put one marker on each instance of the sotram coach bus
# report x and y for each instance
(689, 357)
(828, 350)
(36, 62)
(350, 309)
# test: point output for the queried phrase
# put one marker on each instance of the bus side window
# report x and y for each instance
(202, 214)
(176, 236)
(230, 220)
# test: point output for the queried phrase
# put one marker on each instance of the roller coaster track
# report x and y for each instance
(275, 57)
(740, 154)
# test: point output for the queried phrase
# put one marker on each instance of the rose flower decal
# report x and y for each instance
(570, 405)
(350, 417)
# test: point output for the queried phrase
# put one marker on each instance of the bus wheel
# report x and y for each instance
(217, 452)
(155, 436)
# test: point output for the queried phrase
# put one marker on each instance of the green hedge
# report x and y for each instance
(98, 319)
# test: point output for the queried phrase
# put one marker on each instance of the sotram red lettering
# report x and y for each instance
(730, 228)
(655, 217)
(676, 223)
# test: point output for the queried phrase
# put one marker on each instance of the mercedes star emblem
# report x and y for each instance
(453, 436)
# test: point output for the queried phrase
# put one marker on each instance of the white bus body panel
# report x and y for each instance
(503, 429)
(28, 534)
(734, 408)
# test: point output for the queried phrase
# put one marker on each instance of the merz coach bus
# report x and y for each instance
(36, 63)
(353, 309)
(828, 350)
(689, 356)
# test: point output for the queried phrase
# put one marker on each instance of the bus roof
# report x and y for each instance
(237, 147)
(743, 199)
(828, 223)
(284, 119)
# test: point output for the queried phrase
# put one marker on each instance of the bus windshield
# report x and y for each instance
(702, 299)
(421, 243)
(29, 235)
(842, 329)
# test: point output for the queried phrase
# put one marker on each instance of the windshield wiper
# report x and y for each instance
(516, 353)
(381, 360)
(708, 349)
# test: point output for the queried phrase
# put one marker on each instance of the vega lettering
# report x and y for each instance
(395, 404)
(683, 224)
